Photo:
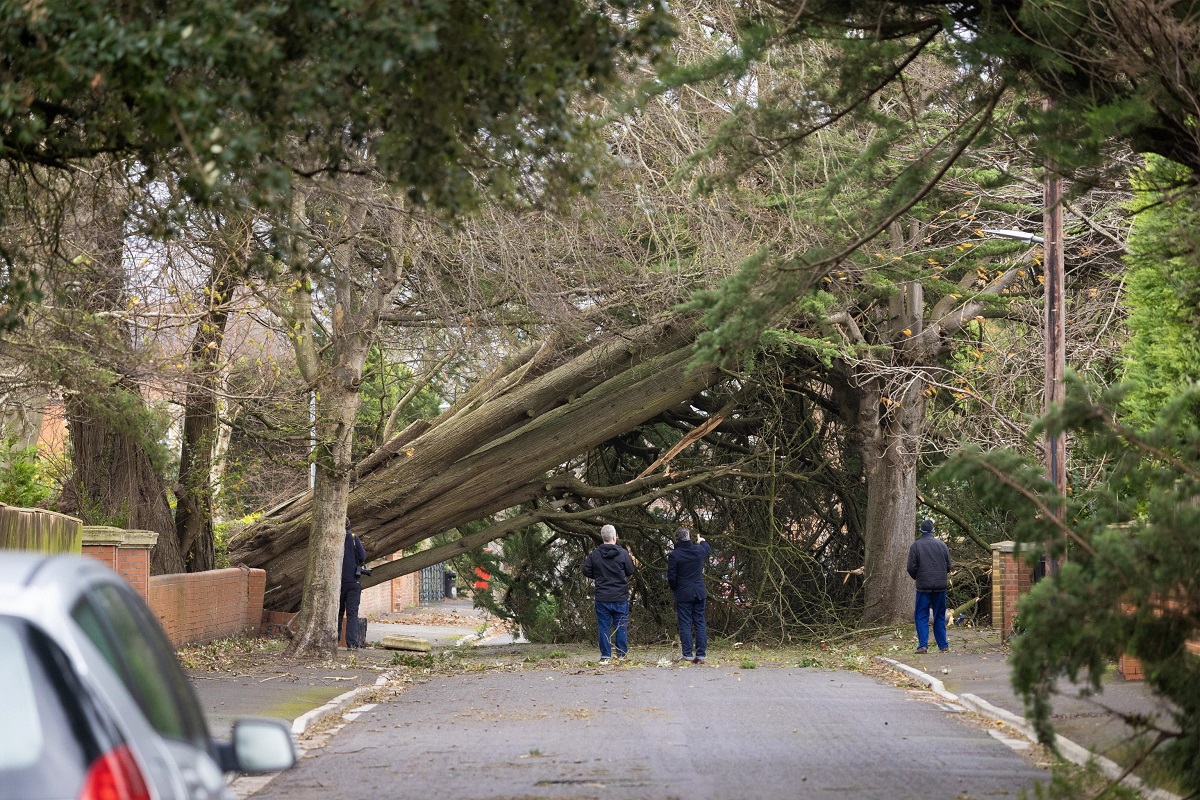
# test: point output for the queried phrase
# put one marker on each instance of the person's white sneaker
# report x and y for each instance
(604, 662)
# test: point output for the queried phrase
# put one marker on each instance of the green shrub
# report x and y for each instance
(21, 480)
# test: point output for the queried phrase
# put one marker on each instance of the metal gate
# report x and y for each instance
(433, 584)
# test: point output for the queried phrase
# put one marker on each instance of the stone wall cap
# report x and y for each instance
(120, 537)
(1004, 547)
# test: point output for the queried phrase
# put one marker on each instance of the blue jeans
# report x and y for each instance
(937, 601)
(691, 615)
(608, 617)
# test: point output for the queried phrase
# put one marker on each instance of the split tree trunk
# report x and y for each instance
(492, 451)
(891, 425)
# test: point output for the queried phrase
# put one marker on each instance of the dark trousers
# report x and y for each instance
(348, 609)
(936, 601)
(691, 618)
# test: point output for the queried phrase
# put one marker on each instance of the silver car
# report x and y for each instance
(93, 702)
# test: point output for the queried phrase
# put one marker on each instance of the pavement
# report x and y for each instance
(974, 675)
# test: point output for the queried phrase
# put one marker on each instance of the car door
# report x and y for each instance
(130, 639)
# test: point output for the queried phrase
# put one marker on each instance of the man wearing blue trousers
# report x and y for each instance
(929, 566)
(611, 567)
(685, 576)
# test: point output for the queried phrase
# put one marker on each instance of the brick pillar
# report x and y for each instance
(1011, 578)
(126, 553)
(256, 584)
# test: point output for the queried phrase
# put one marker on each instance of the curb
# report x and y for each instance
(1075, 753)
(300, 724)
(245, 786)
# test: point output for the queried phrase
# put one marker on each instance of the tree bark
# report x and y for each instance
(314, 631)
(892, 431)
(114, 481)
(360, 292)
(888, 415)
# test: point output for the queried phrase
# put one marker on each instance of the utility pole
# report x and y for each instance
(1054, 323)
(1054, 330)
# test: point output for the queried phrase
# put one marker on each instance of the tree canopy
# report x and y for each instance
(234, 100)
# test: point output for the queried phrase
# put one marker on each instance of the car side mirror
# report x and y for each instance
(259, 744)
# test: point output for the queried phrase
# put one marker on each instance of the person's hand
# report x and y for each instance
(699, 538)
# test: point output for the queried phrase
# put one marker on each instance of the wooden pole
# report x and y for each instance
(1054, 327)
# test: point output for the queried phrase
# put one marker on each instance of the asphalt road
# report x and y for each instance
(693, 733)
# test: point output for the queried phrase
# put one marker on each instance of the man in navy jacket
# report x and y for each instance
(611, 566)
(685, 576)
(929, 566)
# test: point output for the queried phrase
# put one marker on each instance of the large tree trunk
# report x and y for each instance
(314, 631)
(194, 495)
(114, 481)
(492, 451)
(892, 431)
(891, 425)
(360, 294)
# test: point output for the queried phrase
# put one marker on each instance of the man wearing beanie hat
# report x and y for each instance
(929, 566)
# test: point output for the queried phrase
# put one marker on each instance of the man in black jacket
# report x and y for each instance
(929, 566)
(685, 576)
(611, 567)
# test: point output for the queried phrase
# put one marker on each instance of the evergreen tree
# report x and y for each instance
(1163, 280)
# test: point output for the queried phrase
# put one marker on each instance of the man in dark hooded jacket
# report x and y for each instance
(611, 566)
(354, 559)
(929, 566)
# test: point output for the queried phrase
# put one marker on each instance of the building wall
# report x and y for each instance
(390, 596)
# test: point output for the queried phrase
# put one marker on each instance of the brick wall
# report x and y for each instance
(201, 606)
(1130, 667)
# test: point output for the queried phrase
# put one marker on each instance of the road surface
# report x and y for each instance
(693, 733)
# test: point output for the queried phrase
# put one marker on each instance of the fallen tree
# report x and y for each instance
(492, 450)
